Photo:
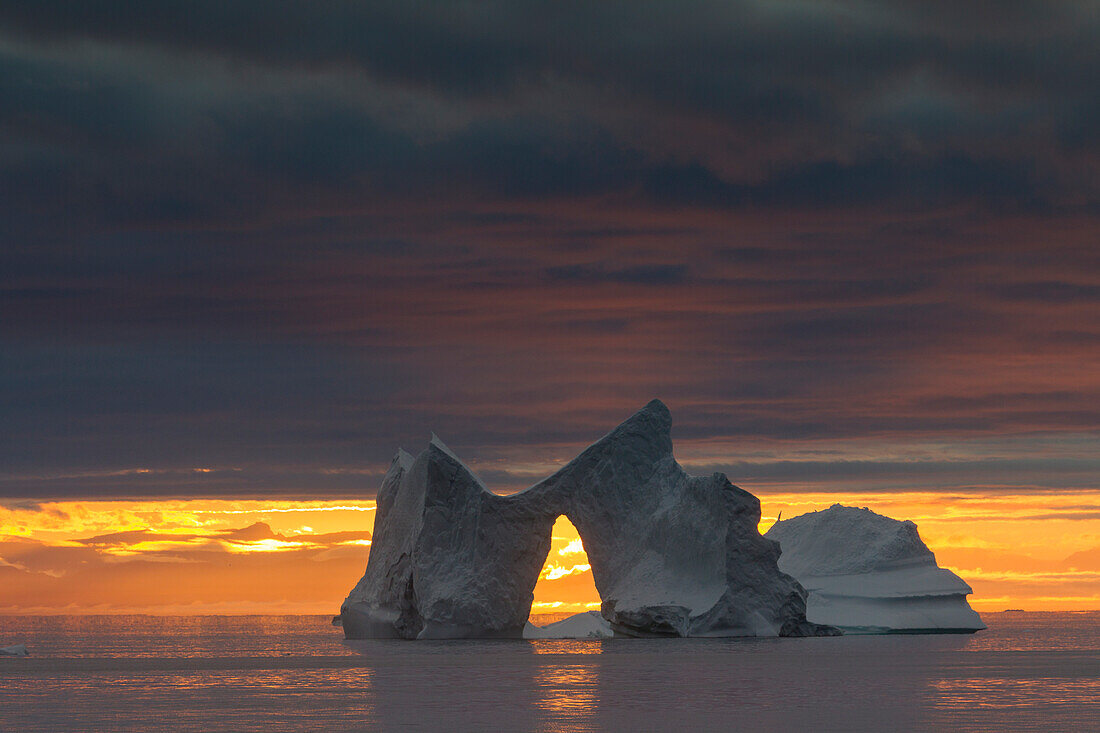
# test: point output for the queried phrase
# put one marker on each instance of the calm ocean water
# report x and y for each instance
(1029, 671)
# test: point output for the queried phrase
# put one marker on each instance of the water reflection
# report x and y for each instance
(568, 696)
(1030, 668)
(1029, 671)
(107, 696)
(567, 646)
(1013, 692)
(1037, 703)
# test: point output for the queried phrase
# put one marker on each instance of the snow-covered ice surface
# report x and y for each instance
(16, 650)
(589, 625)
(866, 573)
(671, 554)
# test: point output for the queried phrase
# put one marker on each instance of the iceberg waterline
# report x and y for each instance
(866, 573)
(671, 554)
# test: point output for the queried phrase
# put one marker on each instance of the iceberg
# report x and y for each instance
(449, 559)
(671, 554)
(16, 650)
(589, 625)
(866, 573)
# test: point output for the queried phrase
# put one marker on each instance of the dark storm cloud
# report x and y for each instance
(926, 180)
(843, 105)
(641, 274)
(1049, 292)
(280, 239)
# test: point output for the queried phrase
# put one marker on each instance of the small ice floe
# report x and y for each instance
(589, 625)
(16, 650)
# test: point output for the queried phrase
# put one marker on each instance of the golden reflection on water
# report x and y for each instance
(568, 695)
(1001, 692)
(566, 646)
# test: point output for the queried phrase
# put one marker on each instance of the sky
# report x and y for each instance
(250, 249)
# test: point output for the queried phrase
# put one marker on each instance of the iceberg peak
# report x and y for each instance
(404, 459)
(437, 442)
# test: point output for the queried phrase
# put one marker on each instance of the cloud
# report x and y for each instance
(151, 569)
(122, 539)
(840, 107)
(259, 556)
(246, 537)
(639, 275)
(1050, 292)
(282, 243)
(1085, 560)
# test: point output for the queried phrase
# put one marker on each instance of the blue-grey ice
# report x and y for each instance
(671, 554)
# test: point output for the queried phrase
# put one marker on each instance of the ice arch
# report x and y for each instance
(671, 554)
(565, 582)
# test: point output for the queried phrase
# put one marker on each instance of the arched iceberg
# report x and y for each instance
(671, 554)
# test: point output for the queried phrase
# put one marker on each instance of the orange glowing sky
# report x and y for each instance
(259, 556)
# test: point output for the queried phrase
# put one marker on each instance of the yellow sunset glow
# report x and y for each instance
(553, 572)
(575, 547)
(1038, 552)
(565, 583)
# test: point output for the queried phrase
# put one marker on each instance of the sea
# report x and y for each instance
(1028, 671)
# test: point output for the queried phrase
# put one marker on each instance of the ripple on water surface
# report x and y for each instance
(1028, 671)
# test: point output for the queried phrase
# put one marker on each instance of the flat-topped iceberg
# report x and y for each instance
(866, 573)
(671, 554)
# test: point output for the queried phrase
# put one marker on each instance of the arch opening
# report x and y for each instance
(565, 585)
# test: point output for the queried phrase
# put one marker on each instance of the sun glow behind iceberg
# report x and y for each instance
(1038, 552)
(565, 583)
